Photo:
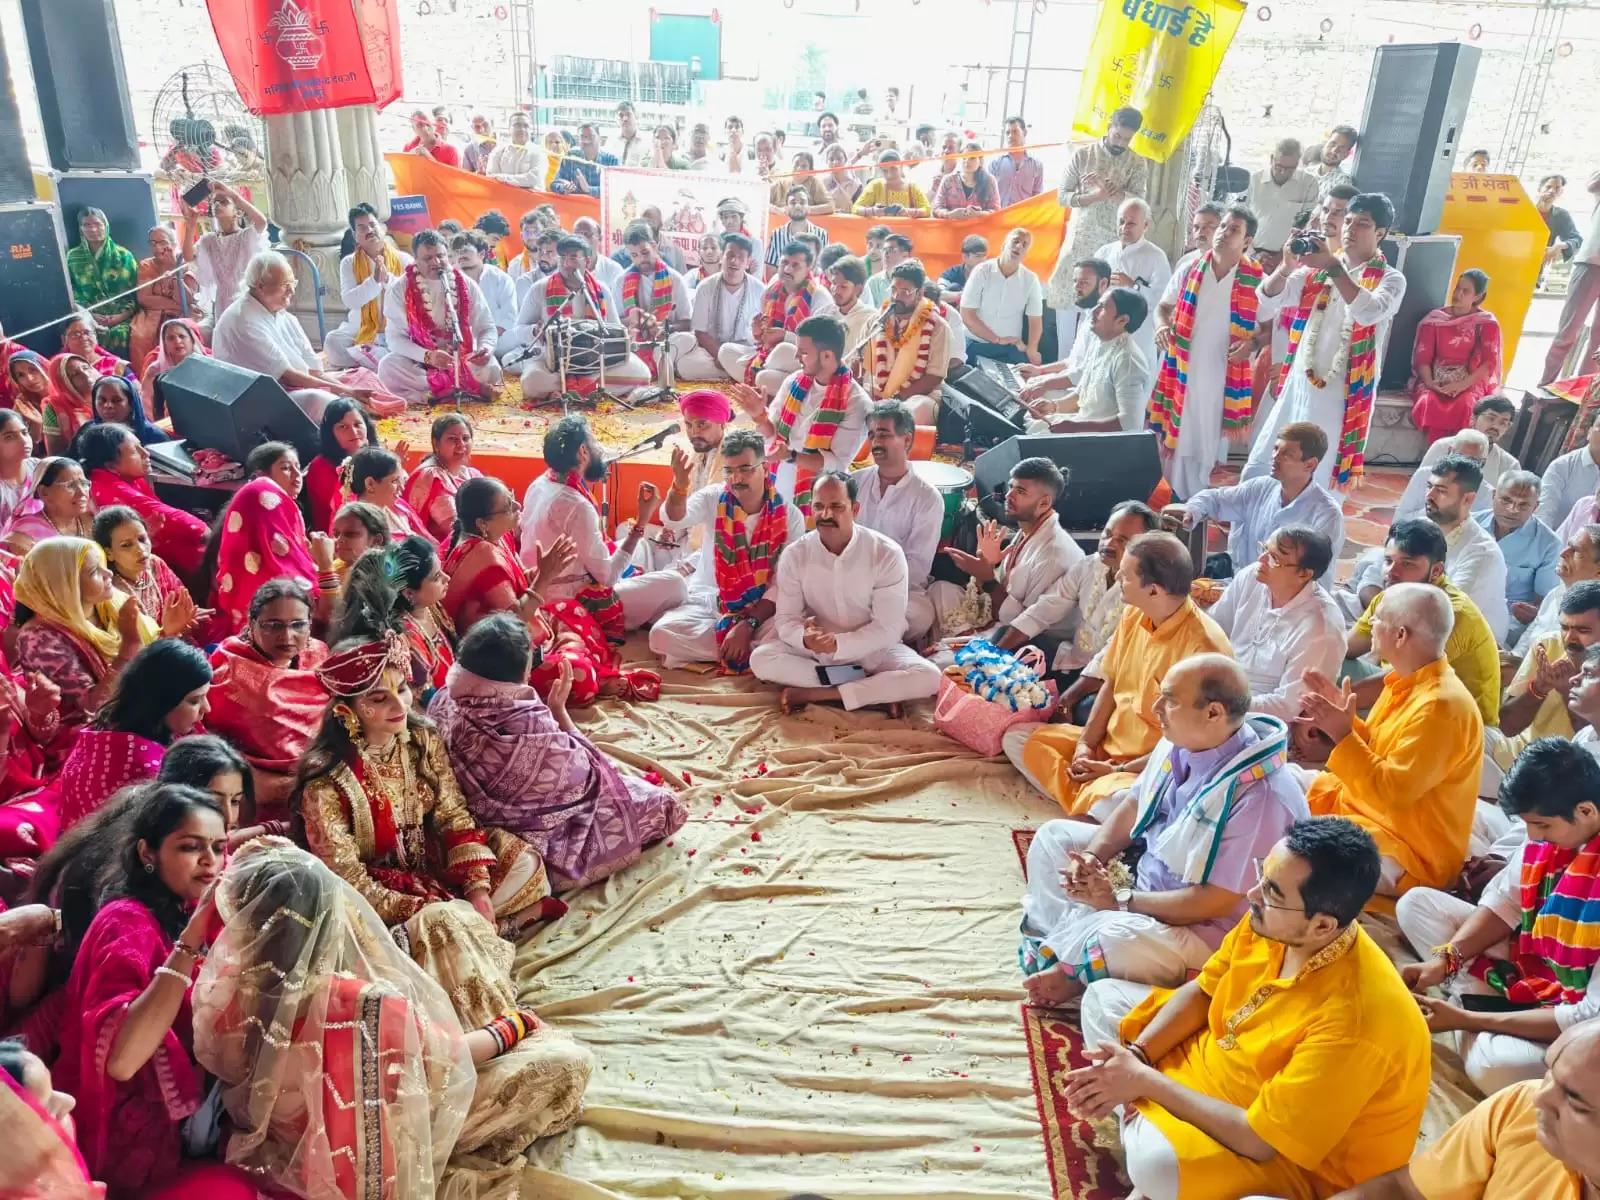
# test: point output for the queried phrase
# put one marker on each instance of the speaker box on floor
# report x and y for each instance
(217, 406)
(1429, 265)
(1416, 102)
(33, 273)
(1102, 469)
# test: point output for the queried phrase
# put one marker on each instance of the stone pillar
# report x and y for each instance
(367, 177)
(310, 189)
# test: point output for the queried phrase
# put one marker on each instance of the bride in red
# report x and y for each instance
(485, 577)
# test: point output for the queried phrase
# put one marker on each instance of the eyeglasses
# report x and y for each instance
(1271, 555)
(1261, 882)
(284, 626)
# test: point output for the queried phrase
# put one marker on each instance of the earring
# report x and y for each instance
(347, 715)
(149, 868)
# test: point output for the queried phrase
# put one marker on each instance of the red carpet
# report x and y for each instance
(1082, 1165)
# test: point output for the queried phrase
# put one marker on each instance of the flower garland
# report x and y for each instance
(421, 329)
(887, 380)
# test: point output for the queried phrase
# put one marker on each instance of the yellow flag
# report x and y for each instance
(1159, 58)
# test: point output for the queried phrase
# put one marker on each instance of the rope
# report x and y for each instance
(101, 303)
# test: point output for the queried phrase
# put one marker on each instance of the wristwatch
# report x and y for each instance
(1124, 898)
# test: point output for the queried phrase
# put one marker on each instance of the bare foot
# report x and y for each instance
(786, 702)
(896, 710)
(1052, 989)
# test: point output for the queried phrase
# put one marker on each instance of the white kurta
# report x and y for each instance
(723, 314)
(847, 438)
(220, 260)
(541, 379)
(1200, 430)
(249, 336)
(355, 296)
(1300, 400)
(859, 595)
(1276, 646)
(1148, 261)
(402, 371)
(1477, 565)
(1095, 607)
(910, 512)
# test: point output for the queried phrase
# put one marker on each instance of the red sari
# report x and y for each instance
(263, 538)
(271, 714)
(431, 492)
(1453, 347)
(324, 492)
(176, 536)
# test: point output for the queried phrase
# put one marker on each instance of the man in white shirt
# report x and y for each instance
(1094, 598)
(1289, 496)
(1023, 578)
(559, 503)
(1579, 560)
(1583, 296)
(1202, 232)
(259, 333)
(1491, 421)
(786, 302)
(1075, 339)
(1331, 172)
(1278, 193)
(1139, 265)
(1364, 306)
(1113, 391)
(1191, 399)
(732, 596)
(1002, 306)
(721, 313)
(576, 295)
(364, 274)
(537, 258)
(893, 249)
(704, 418)
(470, 252)
(841, 614)
(1281, 623)
(847, 279)
(520, 162)
(452, 344)
(833, 399)
(1474, 562)
(903, 506)
(1570, 477)
(633, 149)
(653, 298)
(602, 266)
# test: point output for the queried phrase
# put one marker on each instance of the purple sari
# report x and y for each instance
(521, 772)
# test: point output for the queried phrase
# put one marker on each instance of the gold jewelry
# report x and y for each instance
(352, 723)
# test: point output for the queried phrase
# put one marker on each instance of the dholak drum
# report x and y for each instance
(582, 346)
(952, 482)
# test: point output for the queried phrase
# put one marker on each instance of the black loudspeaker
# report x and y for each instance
(127, 198)
(1429, 265)
(1416, 101)
(1102, 469)
(76, 52)
(16, 176)
(217, 406)
(33, 273)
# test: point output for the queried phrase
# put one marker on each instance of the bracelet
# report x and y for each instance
(1450, 956)
(178, 975)
(682, 492)
(182, 947)
(1139, 1052)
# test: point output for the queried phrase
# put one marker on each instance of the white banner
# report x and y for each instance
(686, 200)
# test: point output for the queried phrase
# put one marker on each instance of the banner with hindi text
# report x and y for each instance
(1159, 58)
(686, 200)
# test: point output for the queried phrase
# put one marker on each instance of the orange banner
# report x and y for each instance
(463, 196)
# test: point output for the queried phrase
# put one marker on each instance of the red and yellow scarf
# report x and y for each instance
(1166, 406)
(1362, 387)
(556, 292)
(1555, 949)
(824, 425)
(884, 352)
(743, 561)
(421, 329)
(361, 267)
(781, 310)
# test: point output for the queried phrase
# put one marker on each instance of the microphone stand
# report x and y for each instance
(456, 393)
(614, 475)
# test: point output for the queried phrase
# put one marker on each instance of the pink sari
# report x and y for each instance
(270, 713)
(41, 1161)
(102, 763)
(263, 538)
(431, 492)
(176, 536)
(1454, 347)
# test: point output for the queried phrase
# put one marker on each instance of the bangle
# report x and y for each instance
(178, 975)
(182, 947)
(683, 492)
(1139, 1052)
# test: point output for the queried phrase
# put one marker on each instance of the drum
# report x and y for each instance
(952, 482)
(582, 345)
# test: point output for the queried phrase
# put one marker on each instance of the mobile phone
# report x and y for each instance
(198, 193)
(843, 673)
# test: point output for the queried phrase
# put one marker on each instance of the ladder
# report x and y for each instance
(1527, 98)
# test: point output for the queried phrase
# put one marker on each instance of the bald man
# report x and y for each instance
(1539, 1138)
(1409, 772)
(1212, 799)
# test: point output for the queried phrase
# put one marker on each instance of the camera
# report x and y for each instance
(1306, 242)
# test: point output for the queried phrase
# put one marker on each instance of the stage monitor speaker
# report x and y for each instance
(128, 198)
(33, 273)
(1429, 265)
(1102, 469)
(217, 406)
(82, 85)
(1416, 102)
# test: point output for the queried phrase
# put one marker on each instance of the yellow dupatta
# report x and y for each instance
(372, 310)
(49, 583)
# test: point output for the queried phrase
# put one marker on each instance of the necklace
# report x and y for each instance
(394, 783)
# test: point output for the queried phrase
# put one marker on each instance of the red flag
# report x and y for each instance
(291, 56)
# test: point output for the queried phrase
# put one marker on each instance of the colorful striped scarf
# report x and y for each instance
(743, 561)
(1555, 950)
(1361, 373)
(456, 335)
(556, 292)
(824, 426)
(1166, 406)
(660, 292)
(599, 598)
(780, 309)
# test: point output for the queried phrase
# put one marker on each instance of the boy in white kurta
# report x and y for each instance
(841, 611)
(903, 506)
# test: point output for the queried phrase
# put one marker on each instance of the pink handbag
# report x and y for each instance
(980, 724)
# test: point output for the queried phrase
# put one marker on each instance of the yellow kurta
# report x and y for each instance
(1331, 1068)
(1551, 720)
(1133, 664)
(1470, 649)
(1409, 774)
(1494, 1153)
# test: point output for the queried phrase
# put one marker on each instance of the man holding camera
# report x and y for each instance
(1342, 306)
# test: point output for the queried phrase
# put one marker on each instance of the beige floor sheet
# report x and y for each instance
(814, 988)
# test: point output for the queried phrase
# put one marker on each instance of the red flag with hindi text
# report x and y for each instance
(289, 56)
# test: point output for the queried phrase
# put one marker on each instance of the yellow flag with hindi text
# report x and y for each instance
(1159, 58)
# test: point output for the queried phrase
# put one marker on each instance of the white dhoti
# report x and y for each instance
(919, 613)
(1200, 439)
(688, 634)
(509, 342)
(691, 361)
(645, 597)
(782, 362)
(312, 401)
(1493, 1061)
(895, 674)
(1323, 407)
(1091, 944)
(342, 350)
(1151, 1161)
(538, 381)
(408, 379)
